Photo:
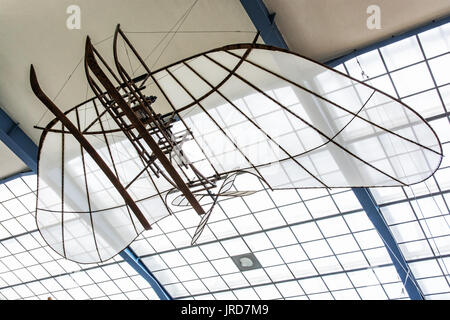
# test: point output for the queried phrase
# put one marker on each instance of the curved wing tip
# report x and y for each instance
(33, 80)
(88, 49)
(32, 72)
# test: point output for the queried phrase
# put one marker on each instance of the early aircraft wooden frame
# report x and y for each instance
(122, 102)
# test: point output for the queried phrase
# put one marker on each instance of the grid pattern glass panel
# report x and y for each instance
(29, 269)
(311, 244)
(418, 216)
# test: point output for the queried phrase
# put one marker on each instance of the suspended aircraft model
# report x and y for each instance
(113, 165)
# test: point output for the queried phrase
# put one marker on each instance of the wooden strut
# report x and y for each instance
(132, 117)
(156, 121)
(127, 79)
(109, 106)
(88, 147)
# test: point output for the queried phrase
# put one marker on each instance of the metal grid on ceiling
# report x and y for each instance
(312, 244)
(419, 215)
(293, 240)
(29, 269)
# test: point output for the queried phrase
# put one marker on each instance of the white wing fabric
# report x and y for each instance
(79, 212)
(287, 119)
(295, 122)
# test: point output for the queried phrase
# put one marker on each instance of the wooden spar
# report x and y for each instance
(88, 147)
(132, 117)
(126, 78)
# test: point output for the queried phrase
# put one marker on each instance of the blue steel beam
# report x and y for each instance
(16, 140)
(26, 149)
(260, 16)
(16, 176)
(133, 260)
(264, 22)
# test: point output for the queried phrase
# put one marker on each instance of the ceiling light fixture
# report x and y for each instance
(246, 262)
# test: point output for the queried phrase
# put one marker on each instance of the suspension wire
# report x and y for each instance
(128, 56)
(407, 269)
(86, 105)
(363, 74)
(178, 23)
(67, 80)
(60, 90)
(406, 280)
(176, 31)
(427, 227)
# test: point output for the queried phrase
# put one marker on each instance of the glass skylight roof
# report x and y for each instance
(319, 252)
(31, 270)
(419, 215)
(311, 244)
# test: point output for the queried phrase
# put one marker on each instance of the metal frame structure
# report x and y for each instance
(27, 151)
(264, 21)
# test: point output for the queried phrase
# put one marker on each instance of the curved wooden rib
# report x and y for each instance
(227, 184)
(88, 147)
(118, 99)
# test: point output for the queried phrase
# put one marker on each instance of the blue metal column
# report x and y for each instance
(133, 260)
(264, 22)
(373, 212)
(26, 149)
(18, 141)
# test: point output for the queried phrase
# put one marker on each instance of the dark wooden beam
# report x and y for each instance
(88, 147)
(132, 117)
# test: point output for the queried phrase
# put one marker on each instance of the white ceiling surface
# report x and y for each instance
(9, 162)
(37, 34)
(326, 29)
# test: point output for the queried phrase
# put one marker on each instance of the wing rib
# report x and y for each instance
(112, 91)
(306, 122)
(88, 147)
